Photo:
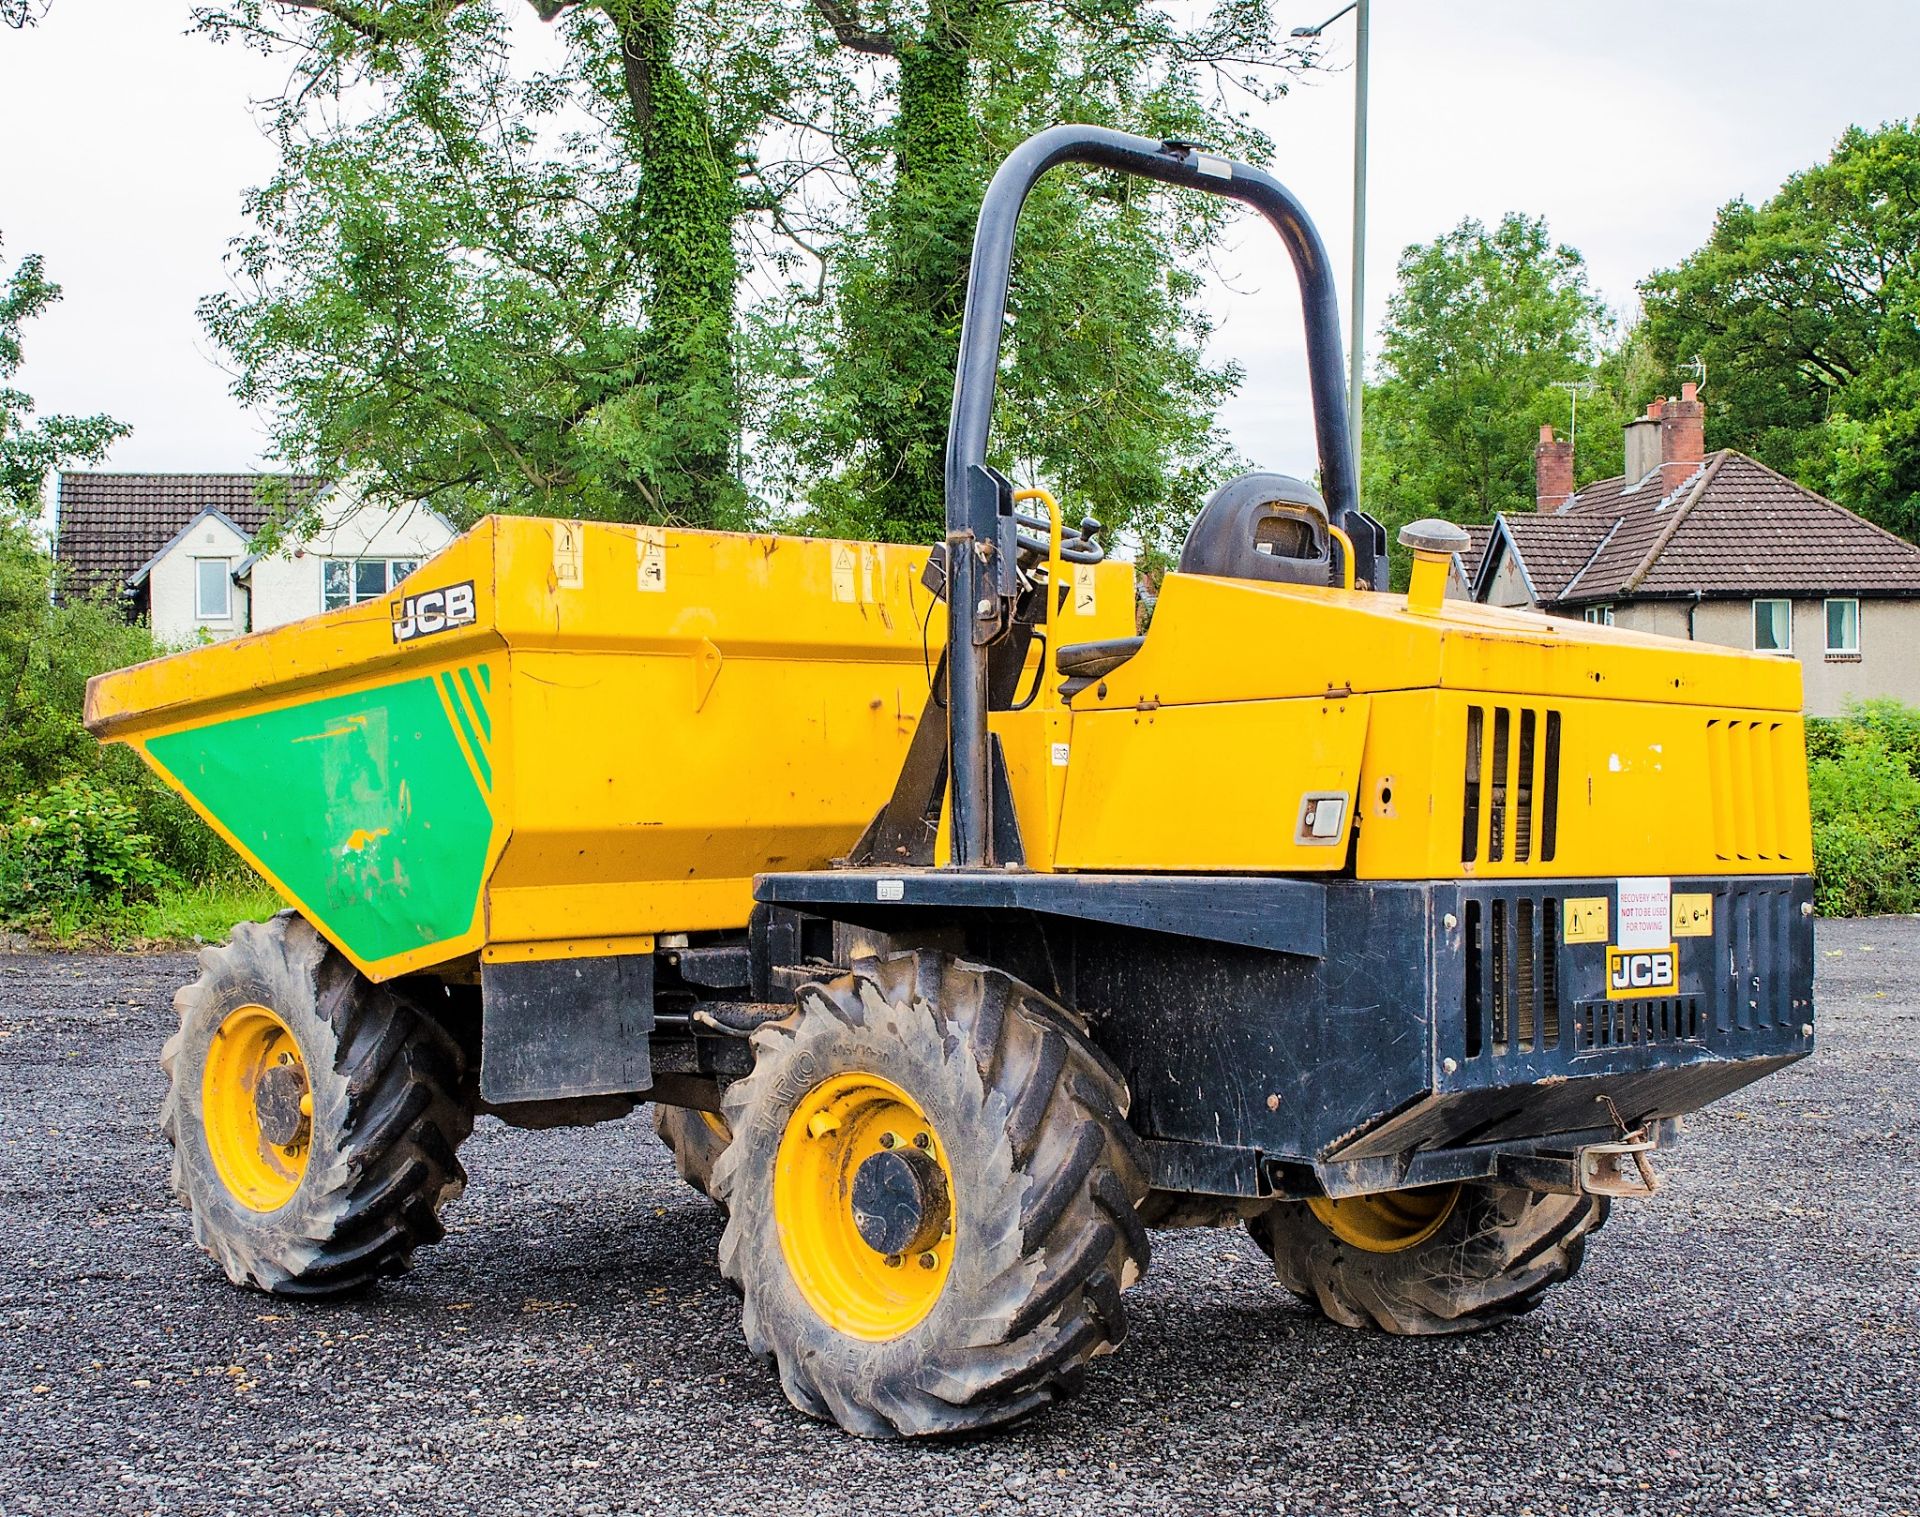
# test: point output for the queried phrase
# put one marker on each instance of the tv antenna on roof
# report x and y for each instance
(1575, 388)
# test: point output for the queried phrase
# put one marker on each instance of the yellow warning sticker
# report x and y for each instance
(1083, 589)
(569, 555)
(872, 581)
(845, 587)
(1585, 920)
(1693, 916)
(653, 558)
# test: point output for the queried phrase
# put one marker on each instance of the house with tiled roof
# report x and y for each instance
(1712, 547)
(177, 549)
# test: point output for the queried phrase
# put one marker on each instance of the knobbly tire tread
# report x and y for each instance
(695, 1147)
(1048, 1183)
(1492, 1260)
(388, 1117)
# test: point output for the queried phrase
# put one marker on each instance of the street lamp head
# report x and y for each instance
(1306, 31)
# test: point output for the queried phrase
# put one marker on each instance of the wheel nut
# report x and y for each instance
(893, 1261)
(887, 1140)
(927, 1261)
(921, 1140)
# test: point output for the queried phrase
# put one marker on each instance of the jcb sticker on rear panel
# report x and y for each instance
(1642, 971)
(433, 611)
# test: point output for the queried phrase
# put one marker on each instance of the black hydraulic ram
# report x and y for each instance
(979, 523)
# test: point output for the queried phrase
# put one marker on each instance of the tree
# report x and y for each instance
(1107, 396)
(32, 449)
(499, 292)
(1806, 312)
(1481, 333)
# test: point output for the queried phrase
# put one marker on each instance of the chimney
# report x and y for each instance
(1643, 445)
(1682, 438)
(1552, 473)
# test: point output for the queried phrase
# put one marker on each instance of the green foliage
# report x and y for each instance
(31, 449)
(177, 913)
(73, 843)
(1806, 310)
(48, 652)
(1864, 781)
(1482, 333)
(496, 292)
(1105, 394)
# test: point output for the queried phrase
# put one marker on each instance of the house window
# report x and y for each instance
(349, 581)
(1843, 627)
(213, 589)
(1599, 615)
(1773, 626)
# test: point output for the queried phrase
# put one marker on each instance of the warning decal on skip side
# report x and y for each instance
(653, 558)
(569, 556)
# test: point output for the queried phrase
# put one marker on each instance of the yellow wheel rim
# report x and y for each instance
(257, 1108)
(1389, 1222)
(717, 1125)
(863, 1200)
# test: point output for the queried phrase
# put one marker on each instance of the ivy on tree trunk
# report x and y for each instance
(685, 214)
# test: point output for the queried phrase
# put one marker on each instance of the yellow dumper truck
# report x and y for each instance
(959, 932)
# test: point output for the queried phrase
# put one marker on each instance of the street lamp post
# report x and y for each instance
(1356, 348)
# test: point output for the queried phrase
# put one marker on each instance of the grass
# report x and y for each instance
(180, 916)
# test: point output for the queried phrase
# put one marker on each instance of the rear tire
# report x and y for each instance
(696, 1139)
(361, 1178)
(1489, 1259)
(1043, 1183)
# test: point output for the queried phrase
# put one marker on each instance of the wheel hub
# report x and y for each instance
(256, 1108)
(864, 1202)
(1388, 1222)
(899, 1201)
(281, 1104)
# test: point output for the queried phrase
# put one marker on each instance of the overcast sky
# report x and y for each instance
(128, 144)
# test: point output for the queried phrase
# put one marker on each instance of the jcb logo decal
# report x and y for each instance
(1642, 972)
(433, 611)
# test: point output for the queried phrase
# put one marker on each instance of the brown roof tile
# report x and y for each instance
(1555, 549)
(1733, 528)
(111, 524)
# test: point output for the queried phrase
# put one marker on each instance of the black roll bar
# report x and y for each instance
(973, 542)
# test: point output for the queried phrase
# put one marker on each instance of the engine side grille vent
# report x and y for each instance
(1750, 766)
(1510, 799)
(1628, 1024)
(1512, 990)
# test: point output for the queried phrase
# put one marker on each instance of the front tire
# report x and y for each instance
(1447, 1259)
(933, 1199)
(313, 1114)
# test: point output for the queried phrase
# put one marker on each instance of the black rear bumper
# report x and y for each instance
(1287, 1033)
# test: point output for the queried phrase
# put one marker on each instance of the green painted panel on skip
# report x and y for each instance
(364, 805)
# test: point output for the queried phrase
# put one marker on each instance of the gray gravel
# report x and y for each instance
(1749, 1342)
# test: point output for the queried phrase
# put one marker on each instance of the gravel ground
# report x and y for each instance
(1749, 1342)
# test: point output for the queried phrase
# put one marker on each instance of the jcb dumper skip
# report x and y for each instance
(958, 933)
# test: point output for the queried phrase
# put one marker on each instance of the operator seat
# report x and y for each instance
(1269, 527)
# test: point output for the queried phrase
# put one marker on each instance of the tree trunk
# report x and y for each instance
(929, 239)
(686, 209)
